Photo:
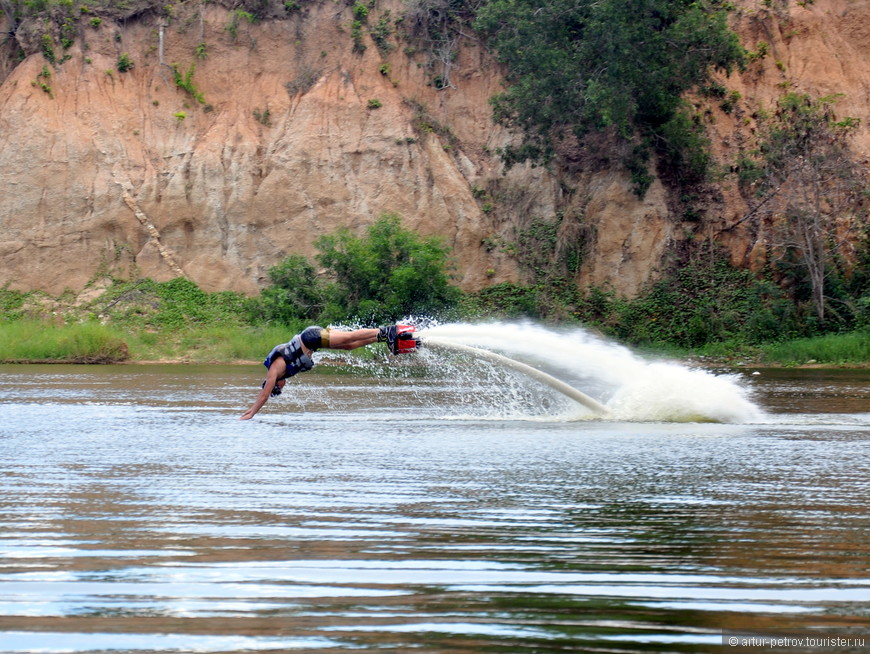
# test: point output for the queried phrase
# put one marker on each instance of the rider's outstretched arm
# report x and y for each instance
(278, 368)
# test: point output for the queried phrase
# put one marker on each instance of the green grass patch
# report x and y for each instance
(178, 304)
(837, 349)
(208, 344)
(34, 341)
(11, 303)
(28, 341)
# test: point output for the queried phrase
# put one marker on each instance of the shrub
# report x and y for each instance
(303, 82)
(703, 301)
(389, 273)
(176, 304)
(125, 63)
(181, 303)
(684, 147)
(360, 11)
(11, 303)
(263, 117)
(506, 300)
(185, 82)
(295, 292)
(356, 34)
(381, 33)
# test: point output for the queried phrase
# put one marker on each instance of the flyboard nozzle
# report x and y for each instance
(406, 340)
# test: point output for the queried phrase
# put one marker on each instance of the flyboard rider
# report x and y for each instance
(293, 357)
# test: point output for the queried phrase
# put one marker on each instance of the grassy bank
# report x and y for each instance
(36, 341)
(705, 311)
(208, 344)
(851, 349)
(28, 341)
(831, 349)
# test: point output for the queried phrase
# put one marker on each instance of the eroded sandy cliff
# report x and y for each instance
(297, 135)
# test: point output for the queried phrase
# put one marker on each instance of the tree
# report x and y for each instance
(439, 25)
(575, 66)
(808, 187)
(296, 293)
(389, 273)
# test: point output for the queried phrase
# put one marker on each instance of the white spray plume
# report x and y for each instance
(631, 387)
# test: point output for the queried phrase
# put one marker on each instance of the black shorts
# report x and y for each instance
(315, 337)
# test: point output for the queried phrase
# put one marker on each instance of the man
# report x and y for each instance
(293, 357)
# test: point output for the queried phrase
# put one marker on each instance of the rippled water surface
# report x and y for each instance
(418, 513)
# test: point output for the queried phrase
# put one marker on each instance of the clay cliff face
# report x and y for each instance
(295, 135)
(820, 49)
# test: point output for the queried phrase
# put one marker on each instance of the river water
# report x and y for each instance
(415, 508)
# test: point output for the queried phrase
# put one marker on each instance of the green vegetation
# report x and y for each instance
(576, 67)
(239, 15)
(48, 48)
(185, 82)
(294, 294)
(805, 184)
(704, 301)
(381, 33)
(12, 304)
(28, 340)
(172, 305)
(360, 11)
(356, 34)
(90, 342)
(125, 63)
(389, 273)
(263, 117)
(213, 343)
(705, 307)
(830, 349)
(140, 320)
(45, 76)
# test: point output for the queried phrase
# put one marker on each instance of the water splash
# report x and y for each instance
(632, 388)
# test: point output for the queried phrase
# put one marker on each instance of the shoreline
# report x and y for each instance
(29, 343)
(175, 361)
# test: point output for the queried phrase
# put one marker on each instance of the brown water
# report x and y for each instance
(137, 514)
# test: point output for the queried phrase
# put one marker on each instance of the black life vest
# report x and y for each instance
(297, 361)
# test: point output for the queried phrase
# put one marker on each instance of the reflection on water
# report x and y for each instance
(138, 514)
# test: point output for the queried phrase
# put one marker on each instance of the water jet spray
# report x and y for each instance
(632, 388)
(539, 375)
